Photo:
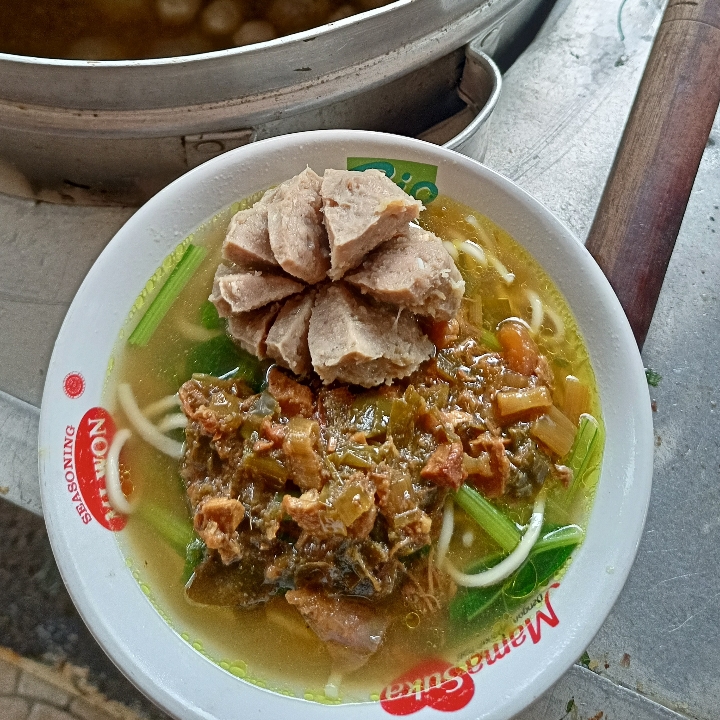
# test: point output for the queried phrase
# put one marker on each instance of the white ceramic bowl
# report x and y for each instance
(133, 632)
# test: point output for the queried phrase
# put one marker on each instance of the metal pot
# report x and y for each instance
(118, 131)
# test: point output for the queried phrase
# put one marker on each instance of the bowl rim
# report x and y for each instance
(622, 494)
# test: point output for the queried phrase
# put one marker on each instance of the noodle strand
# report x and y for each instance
(116, 497)
(510, 564)
(172, 422)
(145, 429)
(161, 406)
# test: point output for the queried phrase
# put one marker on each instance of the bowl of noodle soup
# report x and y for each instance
(512, 583)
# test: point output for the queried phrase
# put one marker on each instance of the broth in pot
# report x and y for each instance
(135, 29)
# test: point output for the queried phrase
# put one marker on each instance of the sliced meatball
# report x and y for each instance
(287, 341)
(247, 242)
(250, 329)
(362, 210)
(356, 342)
(295, 225)
(415, 271)
(243, 291)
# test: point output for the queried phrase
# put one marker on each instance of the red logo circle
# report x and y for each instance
(433, 683)
(74, 385)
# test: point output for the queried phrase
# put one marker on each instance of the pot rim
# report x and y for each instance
(306, 69)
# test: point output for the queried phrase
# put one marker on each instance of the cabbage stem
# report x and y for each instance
(162, 302)
(500, 528)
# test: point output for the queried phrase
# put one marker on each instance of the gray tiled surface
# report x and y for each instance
(555, 132)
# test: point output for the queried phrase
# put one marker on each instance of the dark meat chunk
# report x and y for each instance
(293, 398)
(362, 210)
(445, 466)
(216, 522)
(241, 584)
(274, 432)
(490, 467)
(399, 503)
(414, 271)
(342, 623)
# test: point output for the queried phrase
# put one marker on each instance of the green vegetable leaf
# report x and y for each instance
(586, 438)
(175, 530)
(536, 571)
(547, 557)
(194, 555)
(585, 660)
(468, 603)
(209, 317)
(220, 356)
(213, 357)
(653, 377)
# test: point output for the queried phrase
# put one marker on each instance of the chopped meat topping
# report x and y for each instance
(317, 520)
(337, 492)
(445, 466)
(216, 522)
(294, 398)
(342, 623)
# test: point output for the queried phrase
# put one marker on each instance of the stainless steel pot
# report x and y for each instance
(118, 131)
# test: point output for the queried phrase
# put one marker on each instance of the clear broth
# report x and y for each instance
(246, 642)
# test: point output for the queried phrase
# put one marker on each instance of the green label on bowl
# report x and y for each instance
(416, 179)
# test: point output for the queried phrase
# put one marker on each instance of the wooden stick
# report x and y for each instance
(642, 207)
